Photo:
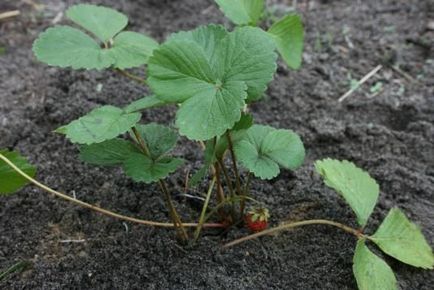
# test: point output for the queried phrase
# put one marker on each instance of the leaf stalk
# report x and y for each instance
(234, 162)
(245, 193)
(203, 213)
(182, 233)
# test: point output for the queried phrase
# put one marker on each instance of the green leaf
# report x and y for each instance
(211, 114)
(179, 70)
(242, 12)
(371, 272)
(144, 103)
(103, 22)
(403, 240)
(244, 123)
(265, 149)
(159, 139)
(255, 65)
(238, 132)
(223, 144)
(141, 168)
(208, 37)
(100, 124)
(10, 181)
(356, 186)
(108, 153)
(247, 55)
(131, 49)
(288, 35)
(198, 175)
(211, 75)
(65, 46)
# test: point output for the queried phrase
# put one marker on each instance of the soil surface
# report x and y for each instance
(389, 132)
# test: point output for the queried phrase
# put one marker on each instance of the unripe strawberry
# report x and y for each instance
(257, 219)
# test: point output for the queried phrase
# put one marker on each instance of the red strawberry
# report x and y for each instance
(257, 219)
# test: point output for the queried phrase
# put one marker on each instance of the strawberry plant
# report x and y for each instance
(212, 74)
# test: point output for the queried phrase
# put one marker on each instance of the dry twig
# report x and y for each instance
(361, 82)
(9, 14)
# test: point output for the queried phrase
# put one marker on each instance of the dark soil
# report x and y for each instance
(390, 134)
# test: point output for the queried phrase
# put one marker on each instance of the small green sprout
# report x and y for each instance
(354, 84)
(376, 88)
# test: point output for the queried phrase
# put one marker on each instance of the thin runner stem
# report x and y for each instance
(343, 227)
(99, 209)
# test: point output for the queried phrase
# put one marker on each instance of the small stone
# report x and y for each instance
(82, 254)
(99, 87)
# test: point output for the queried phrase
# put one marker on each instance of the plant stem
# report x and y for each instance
(217, 175)
(214, 169)
(226, 201)
(231, 189)
(245, 193)
(234, 162)
(99, 209)
(216, 209)
(220, 194)
(131, 76)
(182, 233)
(172, 210)
(204, 208)
(343, 227)
(227, 178)
(141, 142)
